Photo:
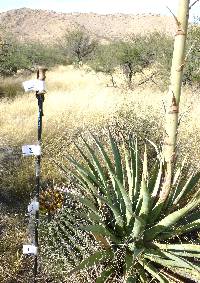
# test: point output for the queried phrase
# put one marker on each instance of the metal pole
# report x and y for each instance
(40, 97)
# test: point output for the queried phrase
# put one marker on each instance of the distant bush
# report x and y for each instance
(134, 56)
(77, 46)
(15, 56)
(105, 60)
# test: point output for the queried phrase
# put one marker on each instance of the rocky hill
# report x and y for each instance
(46, 26)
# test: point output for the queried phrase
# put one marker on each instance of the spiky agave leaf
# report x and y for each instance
(138, 238)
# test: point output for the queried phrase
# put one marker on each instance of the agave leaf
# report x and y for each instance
(137, 168)
(104, 154)
(83, 170)
(140, 222)
(177, 175)
(164, 262)
(99, 229)
(118, 177)
(188, 274)
(158, 181)
(88, 161)
(179, 247)
(169, 259)
(98, 167)
(129, 171)
(153, 178)
(155, 213)
(181, 230)
(186, 254)
(96, 258)
(153, 271)
(129, 261)
(142, 274)
(105, 275)
(88, 178)
(185, 263)
(170, 219)
(145, 166)
(189, 218)
(190, 184)
(118, 199)
(117, 159)
(159, 153)
(135, 250)
(129, 212)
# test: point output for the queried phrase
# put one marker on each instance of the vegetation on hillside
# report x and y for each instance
(133, 56)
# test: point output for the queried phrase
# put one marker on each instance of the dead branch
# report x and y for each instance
(176, 19)
(193, 4)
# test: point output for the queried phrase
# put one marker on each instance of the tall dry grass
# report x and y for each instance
(79, 100)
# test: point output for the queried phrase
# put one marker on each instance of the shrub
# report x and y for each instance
(15, 55)
(105, 60)
(134, 56)
(77, 46)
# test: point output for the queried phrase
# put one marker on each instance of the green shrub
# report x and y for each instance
(15, 55)
(134, 56)
(105, 60)
(77, 46)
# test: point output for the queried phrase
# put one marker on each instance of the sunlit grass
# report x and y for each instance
(80, 99)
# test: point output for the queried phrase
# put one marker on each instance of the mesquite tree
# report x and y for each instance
(171, 124)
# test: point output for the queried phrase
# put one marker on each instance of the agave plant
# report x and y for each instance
(140, 237)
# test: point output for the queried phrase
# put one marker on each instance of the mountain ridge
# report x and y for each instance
(46, 26)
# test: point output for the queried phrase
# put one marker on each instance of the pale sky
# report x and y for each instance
(100, 6)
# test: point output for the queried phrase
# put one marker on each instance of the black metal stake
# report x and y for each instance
(40, 98)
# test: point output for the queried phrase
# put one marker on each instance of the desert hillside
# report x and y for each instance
(28, 24)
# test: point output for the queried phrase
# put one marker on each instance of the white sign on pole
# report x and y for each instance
(28, 150)
(33, 207)
(34, 85)
(29, 250)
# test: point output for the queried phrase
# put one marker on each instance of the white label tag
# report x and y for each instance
(33, 207)
(28, 150)
(29, 250)
(34, 85)
(40, 86)
(29, 85)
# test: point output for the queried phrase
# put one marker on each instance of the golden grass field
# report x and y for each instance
(80, 99)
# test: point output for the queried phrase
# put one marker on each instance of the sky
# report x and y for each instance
(100, 6)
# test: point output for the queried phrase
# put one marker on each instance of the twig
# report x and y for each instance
(176, 19)
(148, 79)
(193, 4)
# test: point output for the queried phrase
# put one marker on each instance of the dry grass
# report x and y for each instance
(75, 99)
(79, 99)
